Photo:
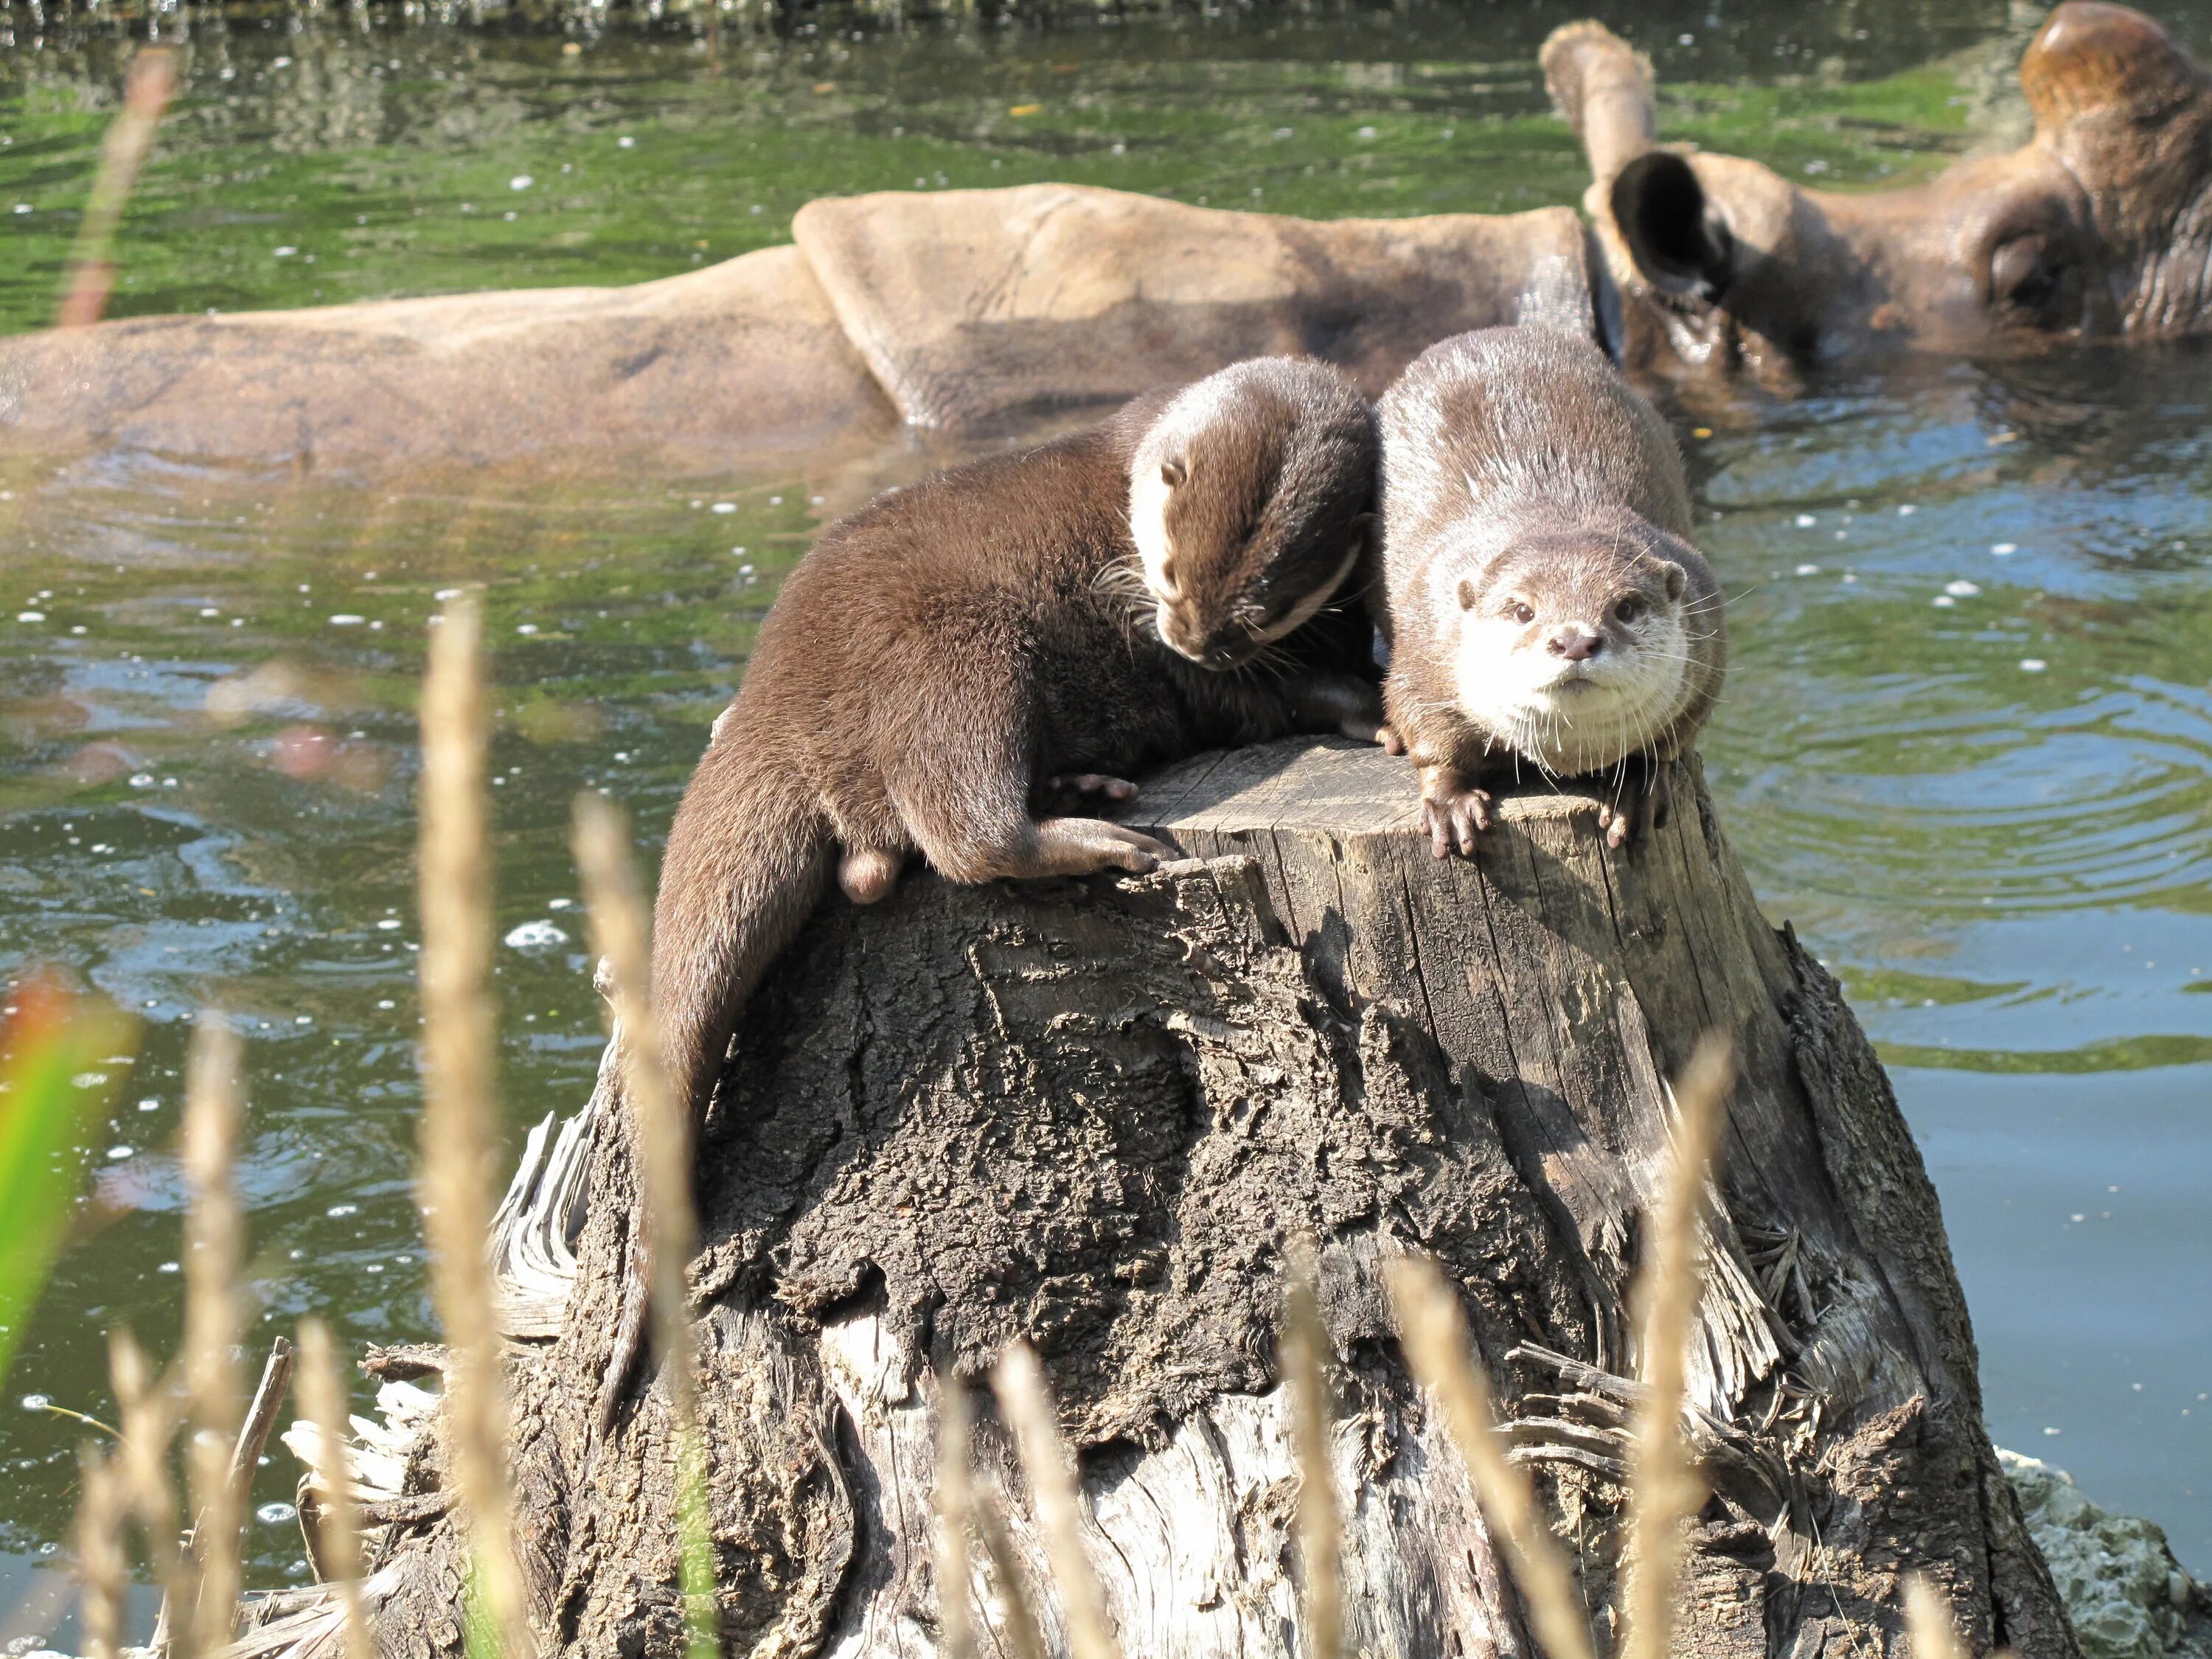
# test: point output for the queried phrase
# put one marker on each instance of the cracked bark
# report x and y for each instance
(1090, 1113)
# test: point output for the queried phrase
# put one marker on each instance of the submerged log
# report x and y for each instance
(954, 309)
(1090, 1114)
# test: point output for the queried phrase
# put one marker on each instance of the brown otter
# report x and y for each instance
(948, 663)
(1546, 605)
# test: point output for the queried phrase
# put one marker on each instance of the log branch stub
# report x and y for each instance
(1090, 1114)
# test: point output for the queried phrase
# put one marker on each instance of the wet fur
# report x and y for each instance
(1519, 467)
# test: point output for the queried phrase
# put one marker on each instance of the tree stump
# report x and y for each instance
(1090, 1113)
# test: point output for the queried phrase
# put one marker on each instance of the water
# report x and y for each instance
(207, 779)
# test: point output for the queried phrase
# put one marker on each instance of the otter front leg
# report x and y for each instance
(1453, 811)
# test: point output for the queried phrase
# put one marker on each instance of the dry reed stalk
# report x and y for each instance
(102, 1570)
(147, 90)
(1023, 1635)
(148, 1413)
(615, 907)
(322, 1396)
(459, 1141)
(956, 1513)
(1930, 1634)
(215, 1323)
(1664, 1486)
(1434, 1330)
(1320, 1524)
(1019, 1381)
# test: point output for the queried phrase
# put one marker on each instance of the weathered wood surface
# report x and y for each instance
(1089, 1114)
(954, 309)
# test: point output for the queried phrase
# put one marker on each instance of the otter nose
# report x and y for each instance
(1577, 643)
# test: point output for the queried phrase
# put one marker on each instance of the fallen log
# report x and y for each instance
(1092, 1114)
(960, 310)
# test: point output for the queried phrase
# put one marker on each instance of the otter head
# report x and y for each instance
(1249, 503)
(1574, 646)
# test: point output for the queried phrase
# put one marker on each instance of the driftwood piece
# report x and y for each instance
(1091, 1113)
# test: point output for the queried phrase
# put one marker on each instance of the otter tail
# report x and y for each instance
(748, 858)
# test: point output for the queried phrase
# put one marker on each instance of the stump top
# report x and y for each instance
(1330, 785)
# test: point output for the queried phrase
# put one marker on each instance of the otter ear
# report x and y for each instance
(1678, 581)
(1678, 242)
(1174, 472)
(1465, 593)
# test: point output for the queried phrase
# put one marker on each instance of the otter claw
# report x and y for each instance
(1454, 820)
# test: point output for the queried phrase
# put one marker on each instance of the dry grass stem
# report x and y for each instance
(323, 1397)
(615, 905)
(102, 1570)
(956, 1513)
(1320, 1525)
(1930, 1634)
(459, 1142)
(215, 1322)
(147, 90)
(616, 909)
(1018, 1627)
(1019, 1381)
(1434, 1330)
(1664, 1488)
(148, 1413)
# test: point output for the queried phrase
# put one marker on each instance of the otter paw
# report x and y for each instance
(1453, 819)
(1388, 737)
(1066, 791)
(1641, 807)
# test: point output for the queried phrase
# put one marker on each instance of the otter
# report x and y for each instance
(1545, 604)
(949, 665)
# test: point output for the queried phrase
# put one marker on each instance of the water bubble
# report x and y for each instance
(30, 616)
(1944, 601)
(520, 181)
(389, 924)
(275, 1515)
(342, 1211)
(725, 506)
(559, 904)
(149, 1104)
(37, 1403)
(88, 1079)
(2032, 665)
(1963, 590)
(285, 252)
(117, 1154)
(347, 619)
(626, 141)
(1808, 569)
(445, 593)
(535, 936)
(1907, 510)
(1364, 132)
(2002, 547)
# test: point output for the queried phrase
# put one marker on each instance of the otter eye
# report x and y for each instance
(1628, 609)
(1523, 612)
